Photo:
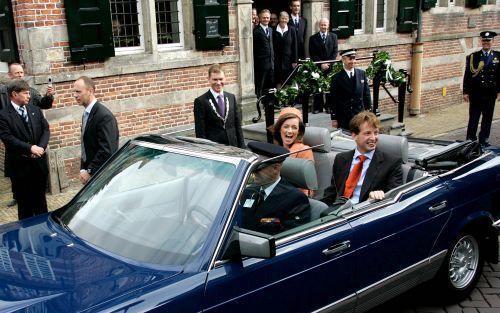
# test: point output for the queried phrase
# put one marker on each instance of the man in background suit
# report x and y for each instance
(16, 71)
(377, 171)
(99, 129)
(25, 134)
(300, 25)
(272, 205)
(323, 46)
(349, 92)
(263, 54)
(217, 116)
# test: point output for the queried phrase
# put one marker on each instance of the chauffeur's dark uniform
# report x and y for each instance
(481, 83)
(285, 208)
(349, 96)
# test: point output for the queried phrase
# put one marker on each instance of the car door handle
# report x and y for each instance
(439, 206)
(337, 248)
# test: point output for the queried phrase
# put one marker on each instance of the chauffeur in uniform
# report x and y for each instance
(349, 92)
(481, 87)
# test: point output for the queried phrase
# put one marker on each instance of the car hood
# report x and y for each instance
(45, 268)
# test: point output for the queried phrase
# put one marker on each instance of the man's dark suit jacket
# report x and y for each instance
(100, 137)
(348, 100)
(36, 99)
(285, 208)
(211, 125)
(28, 175)
(18, 141)
(301, 35)
(263, 57)
(323, 52)
(285, 53)
(384, 173)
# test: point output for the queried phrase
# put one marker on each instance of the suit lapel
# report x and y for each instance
(212, 105)
(91, 117)
(18, 121)
(371, 174)
(344, 172)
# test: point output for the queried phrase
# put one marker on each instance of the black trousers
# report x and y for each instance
(30, 194)
(264, 79)
(480, 105)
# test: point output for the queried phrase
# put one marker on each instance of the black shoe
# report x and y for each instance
(12, 203)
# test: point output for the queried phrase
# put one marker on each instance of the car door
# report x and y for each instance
(312, 269)
(392, 239)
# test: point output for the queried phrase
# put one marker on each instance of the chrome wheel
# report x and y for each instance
(464, 261)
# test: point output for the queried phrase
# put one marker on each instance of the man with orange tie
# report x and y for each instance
(364, 173)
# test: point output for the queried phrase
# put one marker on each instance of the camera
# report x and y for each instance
(50, 81)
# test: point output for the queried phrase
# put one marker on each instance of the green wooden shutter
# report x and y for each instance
(428, 4)
(474, 3)
(407, 16)
(342, 17)
(211, 24)
(89, 29)
(8, 43)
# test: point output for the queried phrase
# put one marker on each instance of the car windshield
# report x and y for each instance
(151, 205)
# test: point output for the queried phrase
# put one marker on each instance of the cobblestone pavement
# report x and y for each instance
(444, 124)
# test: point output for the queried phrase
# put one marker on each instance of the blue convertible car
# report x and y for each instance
(156, 230)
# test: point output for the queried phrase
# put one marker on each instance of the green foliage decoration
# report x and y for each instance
(382, 64)
(308, 80)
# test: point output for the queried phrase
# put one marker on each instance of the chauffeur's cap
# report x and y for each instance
(268, 151)
(348, 52)
(487, 35)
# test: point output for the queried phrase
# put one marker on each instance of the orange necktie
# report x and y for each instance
(353, 178)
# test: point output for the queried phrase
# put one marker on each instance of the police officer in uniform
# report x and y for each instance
(481, 86)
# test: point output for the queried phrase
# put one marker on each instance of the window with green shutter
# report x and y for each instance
(89, 29)
(474, 3)
(211, 23)
(428, 4)
(8, 43)
(342, 17)
(407, 16)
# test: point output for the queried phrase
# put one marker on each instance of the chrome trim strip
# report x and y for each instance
(225, 231)
(383, 203)
(327, 308)
(207, 155)
(427, 260)
(496, 224)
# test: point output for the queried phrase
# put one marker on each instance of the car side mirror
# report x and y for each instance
(248, 243)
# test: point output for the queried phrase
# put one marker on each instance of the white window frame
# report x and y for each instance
(363, 13)
(451, 3)
(180, 44)
(379, 29)
(137, 49)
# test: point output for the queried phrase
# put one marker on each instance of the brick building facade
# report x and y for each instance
(150, 84)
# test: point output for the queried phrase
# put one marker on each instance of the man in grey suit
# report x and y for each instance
(99, 129)
(217, 116)
(25, 134)
(377, 172)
